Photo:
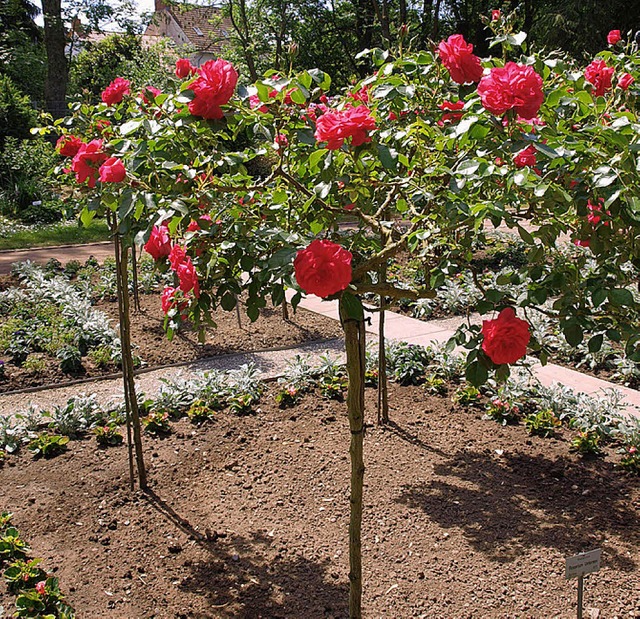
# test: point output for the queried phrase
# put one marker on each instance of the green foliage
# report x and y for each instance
(287, 396)
(467, 396)
(157, 423)
(25, 191)
(435, 385)
(407, 363)
(543, 423)
(199, 412)
(48, 445)
(586, 443)
(47, 605)
(17, 115)
(108, 435)
(21, 575)
(70, 359)
(34, 364)
(12, 547)
(502, 411)
(119, 55)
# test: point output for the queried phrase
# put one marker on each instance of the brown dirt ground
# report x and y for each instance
(269, 331)
(248, 517)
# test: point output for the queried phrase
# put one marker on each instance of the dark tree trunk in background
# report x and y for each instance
(55, 88)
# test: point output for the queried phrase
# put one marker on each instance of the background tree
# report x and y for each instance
(120, 55)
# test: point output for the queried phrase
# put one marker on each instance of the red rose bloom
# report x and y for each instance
(526, 157)
(87, 162)
(115, 91)
(599, 74)
(41, 587)
(457, 55)
(68, 145)
(495, 15)
(159, 243)
(451, 106)
(334, 127)
(214, 86)
(323, 268)
(505, 338)
(595, 213)
(625, 80)
(194, 226)
(582, 242)
(150, 90)
(184, 68)
(186, 273)
(613, 37)
(512, 87)
(177, 256)
(256, 104)
(112, 171)
(166, 299)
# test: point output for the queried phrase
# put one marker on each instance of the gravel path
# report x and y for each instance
(271, 363)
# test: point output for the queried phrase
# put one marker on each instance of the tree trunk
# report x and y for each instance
(130, 400)
(55, 88)
(383, 396)
(354, 336)
(134, 273)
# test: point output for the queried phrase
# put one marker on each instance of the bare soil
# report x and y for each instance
(248, 517)
(153, 347)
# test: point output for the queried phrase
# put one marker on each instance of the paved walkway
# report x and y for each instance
(414, 331)
(64, 253)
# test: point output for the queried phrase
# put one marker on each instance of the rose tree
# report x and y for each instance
(247, 190)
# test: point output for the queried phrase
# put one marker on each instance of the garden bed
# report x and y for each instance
(41, 366)
(248, 517)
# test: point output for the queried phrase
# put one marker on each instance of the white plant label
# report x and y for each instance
(584, 563)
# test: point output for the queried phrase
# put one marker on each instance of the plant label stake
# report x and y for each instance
(579, 565)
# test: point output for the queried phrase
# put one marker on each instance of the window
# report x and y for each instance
(198, 31)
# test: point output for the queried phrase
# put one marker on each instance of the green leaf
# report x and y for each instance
(86, 217)
(228, 301)
(525, 236)
(351, 305)
(388, 157)
(620, 297)
(468, 167)
(572, 333)
(130, 127)
(598, 296)
(595, 343)
(298, 97)
(476, 373)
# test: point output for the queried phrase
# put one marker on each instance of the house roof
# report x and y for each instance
(204, 26)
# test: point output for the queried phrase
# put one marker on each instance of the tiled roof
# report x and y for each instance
(204, 26)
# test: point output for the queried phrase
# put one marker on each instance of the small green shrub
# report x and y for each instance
(199, 412)
(503, 411)
(435, 385)
(108, 435)
(101, 356)
(333, 387)
(586, 443)
(157, 423)
(70, 359)
(12, 547)
(287, 396)
(543, 423)
(21, 575)
(48, 445)
(467, 396)
(34, 364)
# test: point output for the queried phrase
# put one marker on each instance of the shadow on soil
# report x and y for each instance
(242, 579)
(507, 506)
